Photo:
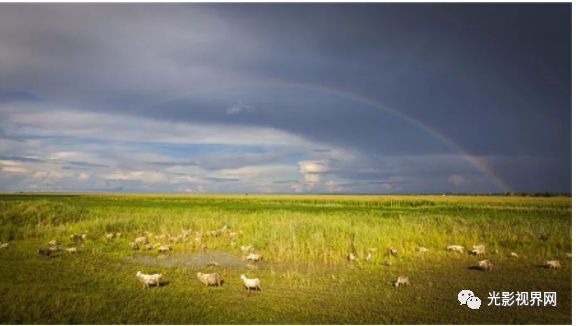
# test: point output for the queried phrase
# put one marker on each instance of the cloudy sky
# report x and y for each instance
(285, 98)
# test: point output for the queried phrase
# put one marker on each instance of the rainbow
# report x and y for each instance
(477, 162)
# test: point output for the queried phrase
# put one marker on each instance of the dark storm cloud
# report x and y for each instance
(494, 78)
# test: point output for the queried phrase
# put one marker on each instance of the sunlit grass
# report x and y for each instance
(304, 240)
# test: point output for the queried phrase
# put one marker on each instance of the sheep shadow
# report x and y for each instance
(478, 268)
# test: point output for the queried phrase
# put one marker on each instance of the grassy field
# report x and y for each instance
(305, 275)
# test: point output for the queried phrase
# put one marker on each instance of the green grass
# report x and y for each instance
(305, 276)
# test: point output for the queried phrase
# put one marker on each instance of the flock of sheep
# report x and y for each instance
(215, 279)
(147, 280)
(477, 250)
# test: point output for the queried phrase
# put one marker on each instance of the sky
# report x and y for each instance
(285, 98)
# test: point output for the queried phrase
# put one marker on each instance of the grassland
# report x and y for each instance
(304, 239)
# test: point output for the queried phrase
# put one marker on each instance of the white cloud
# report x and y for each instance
(14, 169)
(311, 171)
(240, 108)
(141, 176)
(115, 127)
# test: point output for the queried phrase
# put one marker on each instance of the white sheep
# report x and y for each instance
(76, 237)
(553, 264)
(109, 236)
(368, 256)
(254, 257)
(351, 257)
(72, 250)
(213, 279)
(485, 265)
(84, 236)
(478, 250)
(402, 280)
(513, 254)
(141, 240)
(251, 283)
(147, 279)
(393, 251)
(4, 245)
(165, 249)
(51, 251)
(455, 248)
(422, 249)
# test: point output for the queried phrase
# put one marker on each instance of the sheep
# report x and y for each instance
(141, 240)
(455, 248)
(72, 250)
(368, 256)
(514, 255)
(147, 279)
(213, 279)
(553, 264)
(4, 245)
(247, 248)
(212, 263)
(216, 233)
(51, 251)
(109, 236)
(186, 233)
(478, 250)
(485, 265)
(149, 246)
(76, 237)
(134, 246)
(393, 251)
(53, 243)
(351, 257)
(84, 236)
(254, 257)
(176, 239)
(165, 249)
(422, 249)
(402, 280)
(251, 283)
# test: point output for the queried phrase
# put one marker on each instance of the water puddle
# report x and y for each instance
(223, 259)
